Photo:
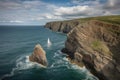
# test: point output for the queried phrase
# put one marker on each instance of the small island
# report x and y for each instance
(39, 56)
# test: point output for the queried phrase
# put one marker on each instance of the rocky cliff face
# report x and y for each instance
(62, 26)
(96, 44)
(39, 55)
(93, 42)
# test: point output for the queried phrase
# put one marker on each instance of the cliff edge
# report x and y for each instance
(93, 42)
(97, 45)
(62, 26)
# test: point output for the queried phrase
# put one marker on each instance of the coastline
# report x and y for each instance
(94, 44)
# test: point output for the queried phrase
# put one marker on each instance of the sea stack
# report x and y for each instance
(39, 55)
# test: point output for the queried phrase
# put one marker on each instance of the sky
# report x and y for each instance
(38, 12)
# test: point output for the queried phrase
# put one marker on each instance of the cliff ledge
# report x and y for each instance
(93, 42)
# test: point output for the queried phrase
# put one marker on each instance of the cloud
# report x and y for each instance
(72, 10)
(85, 2)
(26, 11)
(6, 5)
(112, 4)
(26, 5)
(77, 11)
(21, 11)
(16, 21)
(88, 8)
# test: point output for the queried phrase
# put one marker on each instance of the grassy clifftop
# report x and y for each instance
(94, 42)
(114, 19)
(67, 25)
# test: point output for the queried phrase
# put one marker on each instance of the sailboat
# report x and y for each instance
(49, 42)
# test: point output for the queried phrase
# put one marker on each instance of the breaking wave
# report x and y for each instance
(22, 63)
(60, 60)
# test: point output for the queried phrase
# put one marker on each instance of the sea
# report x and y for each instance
(17, 44)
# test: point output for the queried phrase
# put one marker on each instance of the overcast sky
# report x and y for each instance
(38, 12)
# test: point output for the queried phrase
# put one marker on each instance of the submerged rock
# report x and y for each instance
(39, 55)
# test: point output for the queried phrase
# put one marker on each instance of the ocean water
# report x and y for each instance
(17, 43)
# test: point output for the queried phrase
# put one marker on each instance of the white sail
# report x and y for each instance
(49, 42)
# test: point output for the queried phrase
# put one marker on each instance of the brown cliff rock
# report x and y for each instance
(94, 42)
(39, 55)
(62, 26)
(97, 45)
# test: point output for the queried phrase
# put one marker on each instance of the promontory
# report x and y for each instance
(94, 42)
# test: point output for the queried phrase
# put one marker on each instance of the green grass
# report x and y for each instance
(114, 19)
(100, 47)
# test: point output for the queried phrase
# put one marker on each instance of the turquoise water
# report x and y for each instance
(17, 43)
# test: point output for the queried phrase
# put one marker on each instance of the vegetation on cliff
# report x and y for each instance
(95, 42)
(114, 19)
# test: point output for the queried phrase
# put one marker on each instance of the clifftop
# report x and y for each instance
(67, 25)
(94, 42)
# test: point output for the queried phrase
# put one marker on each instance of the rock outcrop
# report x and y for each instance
(62, 26)
(96, 44)
(39, 55)
(93, 42)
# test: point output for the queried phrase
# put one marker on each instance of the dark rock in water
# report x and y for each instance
(38, 55)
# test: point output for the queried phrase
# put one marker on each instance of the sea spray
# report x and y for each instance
(61, 61)
(49, 43)
(22, 63)
(18, 47)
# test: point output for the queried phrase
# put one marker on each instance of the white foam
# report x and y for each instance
(66, 59)
(62, 61)
(27, 59)
(9, 75)
(59, 51)
(59, 60)
(55, 54)
(91, 77)
(59, 43)
(22, 63)
(49, 43)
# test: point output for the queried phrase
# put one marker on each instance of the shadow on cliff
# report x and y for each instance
(111, 70)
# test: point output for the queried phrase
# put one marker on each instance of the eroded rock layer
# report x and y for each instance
(62, 26)
(93, 42)
(97, 45)
(39, 55)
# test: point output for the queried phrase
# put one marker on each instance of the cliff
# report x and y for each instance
(62, 26)
(97, 45)
(93, 42)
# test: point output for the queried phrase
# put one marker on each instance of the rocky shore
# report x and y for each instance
(94, 43)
